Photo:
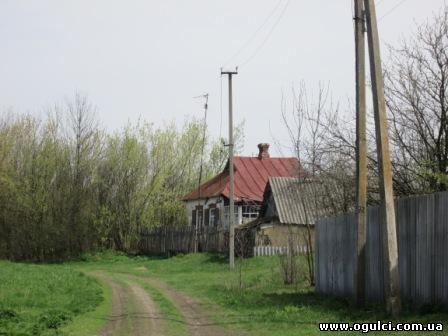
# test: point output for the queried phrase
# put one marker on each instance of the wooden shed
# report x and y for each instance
(288, 213)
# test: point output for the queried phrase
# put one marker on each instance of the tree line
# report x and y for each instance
(67, 186)
(416, 91)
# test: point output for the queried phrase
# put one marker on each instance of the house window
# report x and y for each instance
(200, 217)
(193, 217)
(197, 216)
(226, 215)
(250, 211)
(212, 217)
(206, 217)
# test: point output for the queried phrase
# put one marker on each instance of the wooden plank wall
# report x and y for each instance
(167, 241)
(422, 230)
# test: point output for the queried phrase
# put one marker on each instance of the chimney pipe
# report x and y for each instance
(263, 151)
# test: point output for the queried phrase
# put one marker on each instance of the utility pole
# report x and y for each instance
(361, 154)
(389, 230)
(205, 96)
(231, 196)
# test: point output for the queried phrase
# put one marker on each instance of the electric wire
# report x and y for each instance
(254, 35)
(258, 49)
(392, 9)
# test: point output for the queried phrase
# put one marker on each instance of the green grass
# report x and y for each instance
(90, 323)
(40, 299)
(258, 304)
(264, 306)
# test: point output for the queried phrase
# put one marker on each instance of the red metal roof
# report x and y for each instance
(251, 176)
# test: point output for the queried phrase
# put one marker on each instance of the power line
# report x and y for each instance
(252, 37)
(255, 53)
(392, 9)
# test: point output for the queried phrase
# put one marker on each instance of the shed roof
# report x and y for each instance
(297, 201)
(251, 176)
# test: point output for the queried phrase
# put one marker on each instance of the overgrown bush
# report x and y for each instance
(68, 187)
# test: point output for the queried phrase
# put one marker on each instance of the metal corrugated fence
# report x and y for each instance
(422, 231)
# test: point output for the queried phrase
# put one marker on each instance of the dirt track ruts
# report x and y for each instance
(135, 313)
(133, 310)
(193, 311)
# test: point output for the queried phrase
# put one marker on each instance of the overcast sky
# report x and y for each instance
(147, 58)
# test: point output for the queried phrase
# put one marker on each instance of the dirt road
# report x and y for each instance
(133, 310)
(135, 313)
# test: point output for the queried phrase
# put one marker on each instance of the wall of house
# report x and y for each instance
(205, 203)
(243, 213)
(276, 234)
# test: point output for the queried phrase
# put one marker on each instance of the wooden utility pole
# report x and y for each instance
(361, 154)
(196, 229)
(231, 196)
(389, 231)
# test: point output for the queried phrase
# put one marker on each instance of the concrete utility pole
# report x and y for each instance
(361, 154)
(389, 230)
(196, 241)
(231, 196)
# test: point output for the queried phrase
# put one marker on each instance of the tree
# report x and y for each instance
(84, 140)
(322, 143)
(417, 99)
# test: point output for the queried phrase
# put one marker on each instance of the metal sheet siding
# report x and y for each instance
(298, 201)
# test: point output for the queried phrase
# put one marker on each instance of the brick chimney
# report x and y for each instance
(263, 151)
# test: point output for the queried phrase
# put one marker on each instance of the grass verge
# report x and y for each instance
(90, 323)
(41, 299)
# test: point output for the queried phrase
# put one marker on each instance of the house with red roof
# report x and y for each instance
(208, 205)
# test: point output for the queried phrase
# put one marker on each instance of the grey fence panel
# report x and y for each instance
(440, 241)
(422, 231)
(430, 280)
(331, 257)
(350, 255)
(335, 264)
(423, 261)
(374, 254)
(323, 273)
(338, 275)
(411, 212)
(404, 247)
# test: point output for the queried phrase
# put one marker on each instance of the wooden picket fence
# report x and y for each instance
(422, 231)
(169, 241)
(260, 251)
